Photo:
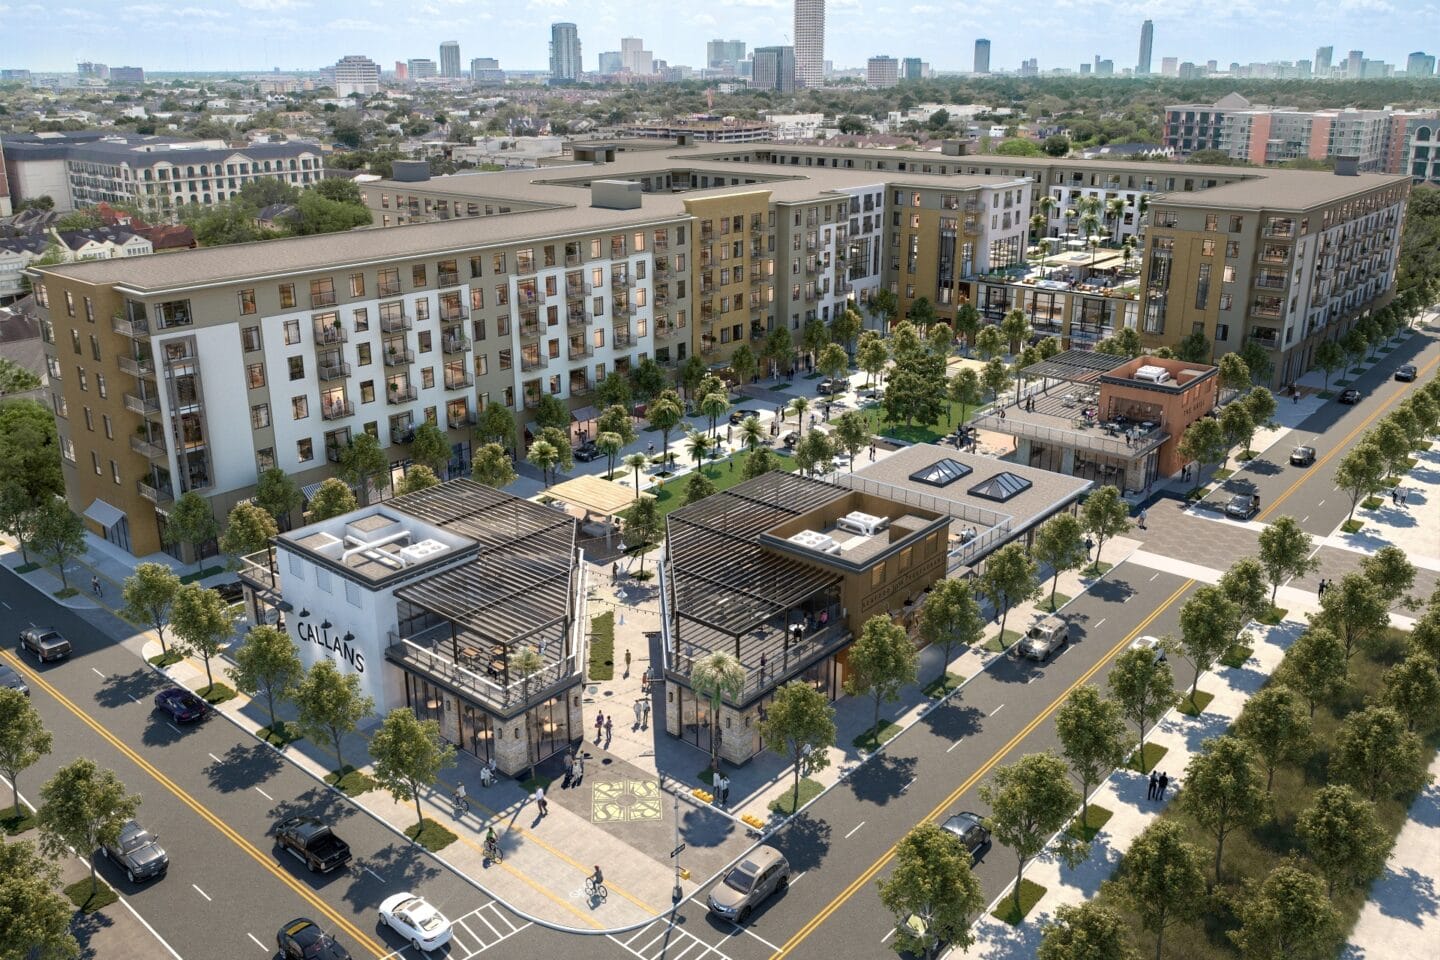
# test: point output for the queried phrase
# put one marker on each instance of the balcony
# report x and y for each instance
(147, 448)
(458, 380)
(447, 278)
(129, 328)
(572, 260)
(157, 495)
(530, 329)
(402, 432)
(337, 410)
(453, 314)
(327, 335)
(144, 367)
(395, 323)
(396, 393)
(453, 344)
(579, 351)
(623, 339)
(142, 405)
(532, 401)
(533, 362)
(459, 419)
(580, 386)
(757, 229)
(577, 320)
(399, 358)
(334, 371)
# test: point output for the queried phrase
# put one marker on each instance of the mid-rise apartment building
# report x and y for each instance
(882, 72)
(356, 74)
(565, 62)
(508, 287)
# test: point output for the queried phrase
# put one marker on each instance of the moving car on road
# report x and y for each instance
(1302, 456)
(738, 417)
(45, 643)
(1349, 396)
(588, 451)
(182, 705)
(750, 883)
(422, 926)
(9, 678)
(302, 939)
(1406, 372)
(1242, 506)
(1150, 643)
(969, 829)
(1044, 638)
(311, 841)
(137, 851)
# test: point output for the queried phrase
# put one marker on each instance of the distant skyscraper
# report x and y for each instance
(882, 72)
(982, 56)
(809, 43)
(402, 70)
(486, 70)
(1419, 64)
(724, 54)
(126, 75)
(912, 68)
(634, 58)
(773, 68)
(93, 71)
(356, 74)
(610, 62)
(564, 52)
(423, 69)
(450, 59)
(1355, 65)
(1169, 66)
(1323, 59)
(1147, 44)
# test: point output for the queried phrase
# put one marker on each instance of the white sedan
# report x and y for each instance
(1150, 643)
(424, 927)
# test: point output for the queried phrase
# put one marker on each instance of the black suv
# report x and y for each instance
(303, 939)
(45, 643)
(137, 851)
(1350, 396)
(969, 829)
(588, 451)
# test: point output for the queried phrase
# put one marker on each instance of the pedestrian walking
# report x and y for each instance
(1320, 590)
(651, 448)
(722, 787)
(762, 668)
(599, 725)
(541, 802)
(579, 771)
(1164, 785)
(644, 713)
(637, 713)
(609, 728)
(95, 587)
(1141, 518)
(1089, 546)
(569, 769)
(615, 572)
(1154, 789)
(627, 663)
(872, 453)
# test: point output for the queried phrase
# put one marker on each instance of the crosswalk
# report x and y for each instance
(474, 933)
(663, 940)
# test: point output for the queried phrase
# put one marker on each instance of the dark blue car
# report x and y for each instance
(182, 705)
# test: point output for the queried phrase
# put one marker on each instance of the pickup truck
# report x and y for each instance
(311, 841)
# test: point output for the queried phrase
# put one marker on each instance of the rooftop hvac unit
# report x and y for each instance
(423, 550)
(1152, 374)
(815, 540)
(863, 523)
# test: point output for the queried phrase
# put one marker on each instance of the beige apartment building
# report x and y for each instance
(505, 287)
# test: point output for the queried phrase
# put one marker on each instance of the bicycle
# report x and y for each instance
(595, 889)
(461, 803)
(493, 852)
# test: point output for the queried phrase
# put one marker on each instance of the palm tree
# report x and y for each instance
(1037, 224)
(1089, 224)
(751, 433)
(1047, 206)
(1094, 243)
(610, 443)
(1115, 210)
(800, 405)
(1127, 250)
(1045, 247)
(714, 405)
(544, 456)
(1142, 208)
(714, 676)
(637, 462)
(698, 444)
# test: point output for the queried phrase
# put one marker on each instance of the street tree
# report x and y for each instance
(846, 327)
(1286, 551)
(248, 529)
(698, 444)
(850, 433)
(58, 536)
(714, 405)
(191, 522)
(967, 323)
(665, 413)
(647, 379)
(814, 335)
(1007, 581)
(884, 306)
(1412, 689)
(643, 526)
(1391, 571)
(1234, 372)
(1029, 801)
(950, 618)
(1343, 836)
(1274, 722)
(1288, 916)
(995, 374)
(637, 462)
(964, 388)
(743, 364)
(882, 661)
(148, 595)
(17, 517)
(716, 676)
(331, 499)
(1260, 402)
(551, 411)
(267, 665)
(1355, 345)
(815, 455)
(1222, 791)
(692, 371)
(1092, 739)
(363, 466)
(1244, 585)
(560, 440)
(833, 362)
(1393, 444)
(617, 420)
(1355, 610)
(491, 466)
(930, 879)
(1360, 473)
(23, 739)
(1209, 621)
(82, 808)
(1329, 356)
(1377, 755)
(871, 356)
(431, 447)
(1085, 931)
(1144, 687)
(277, 493)
(1238, 427)
(202, 622)
(778, 350)
(30, 451)
(799, 726)
(35, 918)
(1315, 666)
(496, 424)
(752, 434)
(329, 705)
(1204, 442)
(990, 342)
(409, 756)
(1060, 545)
(759, 462)
(1161, 879)
(1105, 515)
(614, 390)
(610, 444)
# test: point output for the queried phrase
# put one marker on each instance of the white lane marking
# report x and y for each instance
(7, 606)
(216, 759)
(256, 942)
(132, 698)
(956, 744)
(854, 829)
(908, 783)
(146, 924)
(202, 893)
(1153, 576)
(997, 709)
(373, 874)
(890, 933)
(264, 794)
(97, 673)
(1305, 519)
(757, 937)
(796, 879)
(1321, 503)
(172, 726)
(1101, 623)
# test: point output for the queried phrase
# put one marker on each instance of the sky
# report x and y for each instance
(306, 34)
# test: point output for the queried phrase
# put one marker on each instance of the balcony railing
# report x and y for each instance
(399, 394)
(402, 432)
(138, 368)
(577, 320)
(1089, 438)
(460, 418)
(532, 401)
(530, 329)
(325, 335)
(334, 371)
(395, 323)
(432, 659)
(142, 405)
(458, 381)
(337, 410)
(579, 351)
(155, 494)
(623, 338)
(580, 386)
(399, 358)
(129, 328)
(458, 343)
(147, 448)
(533, 363)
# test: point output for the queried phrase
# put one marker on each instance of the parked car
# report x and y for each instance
(312, 842)
(1406, 372)
(1150, 643)
(1349, 396)
(230, 592)
(969, 828)
(420, 924)
(137, 851)
(1302, 456)
(738, 417)
(1243, 506)
(791, 439)
(1044, 638)
(45, 643)
(182, 705)
(829, 386)
(9, 678)
(750, 883)
(302, 939)
(588, 451)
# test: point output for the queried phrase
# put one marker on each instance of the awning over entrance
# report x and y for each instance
(585, 415)
(595, 495)
(308, 491)
(104, 514)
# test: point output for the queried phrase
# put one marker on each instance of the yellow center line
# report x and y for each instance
(1339, 446)
(265, 861)
(974, 778)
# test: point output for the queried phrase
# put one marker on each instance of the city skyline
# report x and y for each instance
(308, 34)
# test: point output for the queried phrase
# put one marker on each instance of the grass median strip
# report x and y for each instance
(786, 803)
(15, 820)
(1095, 818)
(1030, 894)
(350, 781)
(430, 835)
(875, 737)
(1194, 706)
(941, 686)
(602, 646)
(91, 895)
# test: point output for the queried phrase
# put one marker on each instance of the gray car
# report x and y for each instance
(749, 883)
(138, 853)
(44, 643)
(1044, 638)
(1242, 507)
(9, 678)
(969, 828)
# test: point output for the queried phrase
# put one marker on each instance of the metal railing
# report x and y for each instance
(142, 405)
(426, 652)
(399, 358)
(155, 494)
(400, 394)
(458, 381)
(129, 328)
(457, 343)
(402, 432)
(334, 371)
(136, 367)
(534, 363)
(147, 448)
(396, 323)
(329, 334)
(337, 410)
(1016, 427)
(461, 418)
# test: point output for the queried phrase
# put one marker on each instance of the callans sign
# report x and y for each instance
(342, 647)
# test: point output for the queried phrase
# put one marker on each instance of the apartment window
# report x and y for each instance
(506, 361)
(362, 319)
(114, 471)
(357, 285)
(287, 295)
(322, 292)
(305, 450)
(250, 339)
(264, 459)
(447, 273)
(299, 407)
(292, 332)
(362, 354)
(260, 416)
(388, 282)
(1202, 287)
(255, 375)
(70, 312)
(1207, 248)
(109, 426)
(482, 364)
(1232, 249)
(247, 302)
(367, 391)
(95, 346)
(427, 377)
(297, 368)
(100, 387)
(1228, 274)
(422, 309)
(476, 263)
(1237, 224)
(81, 376)
(75, 341)
(1212, 222)
(89, 420)
(497, 263)
(1226, 300)
(1222, 330)
(425, 342)
(94, 457)
(417, 275)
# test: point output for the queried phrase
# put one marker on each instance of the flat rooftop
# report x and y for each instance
(377, 543)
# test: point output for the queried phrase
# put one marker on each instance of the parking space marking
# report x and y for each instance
(132, 698)
(172, 726)
(97, 673)
(1152, 578)
(997, 709)
(855, 830)
(257, 942)
(956, 744)
(216, 759)
(373, 874)
(747, 930)
(202, 893)
(1101, 623)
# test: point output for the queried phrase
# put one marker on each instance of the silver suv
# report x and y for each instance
(1044, 638)
(749, 883)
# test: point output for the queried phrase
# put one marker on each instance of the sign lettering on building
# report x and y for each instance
(337, 644)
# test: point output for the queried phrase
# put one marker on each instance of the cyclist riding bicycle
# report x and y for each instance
(492, 844)
(460, 799)
(597, 878)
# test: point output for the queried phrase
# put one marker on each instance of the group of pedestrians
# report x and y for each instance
(574, 770)
(1400, 497)
(1159, 783)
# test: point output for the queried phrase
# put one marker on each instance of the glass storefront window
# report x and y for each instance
(547, 727)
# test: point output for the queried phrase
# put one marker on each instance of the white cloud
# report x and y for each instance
(273, 5)
(355, 26)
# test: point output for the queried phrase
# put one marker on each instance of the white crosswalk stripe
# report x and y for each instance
(662, 940)
(474, 933)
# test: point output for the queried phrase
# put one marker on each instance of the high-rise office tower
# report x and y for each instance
(356, 74)
(882, 71)
(402, 70)
(1169, 66)
(634, 58)
(912, 68)
(1323, 58)
(724, 54)
(1355, 65)
(1419, 64)
(564, 52)
(1147, 43)
(609, 62)
(773, 68)
(809, 43)
(982, 56)
(450, 59)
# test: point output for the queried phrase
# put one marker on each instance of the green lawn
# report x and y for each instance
(216, 693)
(940, 686)
(430, 835)
(350, 781)
(1273, 616)
(1195, 706)
(1236, 656)
(201, 574)
(918, 433)
(15, 820)
(602, 646)
(167, 658)
(1002, 642)
(873, 739)
(785, 804)
(88, 898)
(1097, 569)
(281, 735)
(1095, 818)
(672, 494)
(1352, 526)
(1154, 753)
(1030, 894)
(1050, 606)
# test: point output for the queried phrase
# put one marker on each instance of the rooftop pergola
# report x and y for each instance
(1074, 366)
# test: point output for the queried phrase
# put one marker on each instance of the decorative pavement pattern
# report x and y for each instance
(633, 800)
